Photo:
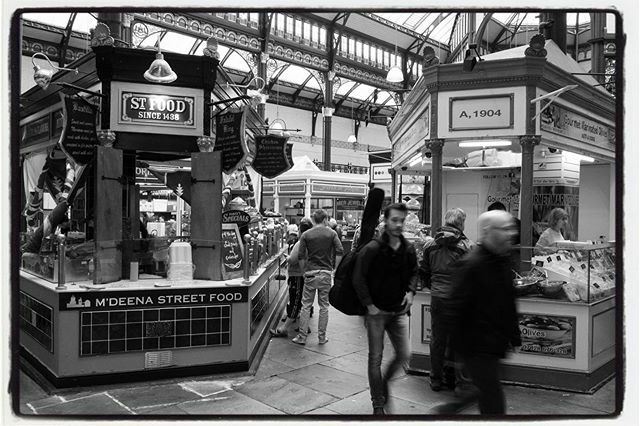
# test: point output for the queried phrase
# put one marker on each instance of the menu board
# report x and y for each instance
(79, 136)
(232, 251)
(230, 130)
(271, 156)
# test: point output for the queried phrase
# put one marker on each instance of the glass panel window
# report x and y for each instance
(315, 33)
(343, 44)
(323, 35)
(306, 34)
(280, 24)
(380, 55)
(289, 21)
(365, 51)
(359, 49)
(352, 46)
(244, 16)
(253, 17)
(386, 58)
(298, 29)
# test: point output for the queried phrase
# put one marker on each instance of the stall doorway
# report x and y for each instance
(468, 203)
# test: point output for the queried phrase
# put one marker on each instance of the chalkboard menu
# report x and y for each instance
(232, 251)
(271, 156)
(79, 136)
(289, 153)
(230, 129)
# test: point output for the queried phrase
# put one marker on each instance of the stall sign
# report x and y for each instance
(36, 131)
(426, 324)
(236, 216)
(481, 112)
(336, 188)
(289, 153)
(232, 251)
(149, 298)
(413, 136)
(156, 109)
(57, 120)
(547, 335)
(292, 188)
(271, 156)
(562, 121)
(79, 137)
(230, 130)
(501, 186)
(349, 203)
(380, 172)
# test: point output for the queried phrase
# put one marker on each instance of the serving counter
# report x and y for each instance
(150, 328)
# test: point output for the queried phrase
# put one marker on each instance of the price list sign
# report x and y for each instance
(78, 137)
(271, 156)
(230, 129)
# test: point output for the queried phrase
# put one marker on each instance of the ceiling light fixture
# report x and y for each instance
(42, 76)
(395, 74)
(160, 71)
(484, 143)
(577, 157)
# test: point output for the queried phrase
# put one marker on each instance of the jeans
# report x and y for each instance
(295, 296)
(397, 327)
(315, 281)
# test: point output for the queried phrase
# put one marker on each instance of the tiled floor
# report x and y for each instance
(313, 379)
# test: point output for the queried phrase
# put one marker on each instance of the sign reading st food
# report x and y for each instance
(152, 108)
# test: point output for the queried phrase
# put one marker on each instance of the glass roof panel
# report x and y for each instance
(313, 84)
(583, 18)
(176, 42)
(345, 87)
(424, 25)
(294, 74)
(529, 19)
(236, 62)
(362, 92)
(84, 22)
(59, 20)
(442, 31)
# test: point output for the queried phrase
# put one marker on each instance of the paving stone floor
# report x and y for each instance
(314, 379)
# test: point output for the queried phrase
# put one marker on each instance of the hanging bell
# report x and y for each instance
(160, 71)
(42, 76)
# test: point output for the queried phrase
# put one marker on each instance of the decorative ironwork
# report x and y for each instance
(31, 46)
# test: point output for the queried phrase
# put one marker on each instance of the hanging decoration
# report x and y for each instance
(271, 155)
(230, 139)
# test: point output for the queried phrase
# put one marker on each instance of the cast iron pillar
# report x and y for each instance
(435, 146)
(264, 25)
(327, 113)
(556, 30)
(527, 142)
(598, 22)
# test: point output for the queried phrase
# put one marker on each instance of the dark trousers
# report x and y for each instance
(295, 296)
(484, 370)
(439, 345)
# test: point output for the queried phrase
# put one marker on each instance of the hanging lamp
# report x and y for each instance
(395, 74)
(160, 71)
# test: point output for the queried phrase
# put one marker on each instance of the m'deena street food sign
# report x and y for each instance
(162, 110)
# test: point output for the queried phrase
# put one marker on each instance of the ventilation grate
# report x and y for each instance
(158, 359)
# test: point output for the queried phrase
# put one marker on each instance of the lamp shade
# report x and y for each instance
(42, 76)
(352, 138)
(395, 75)
(160, 71)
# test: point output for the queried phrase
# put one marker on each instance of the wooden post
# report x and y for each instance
(435, 145)
(206, 215)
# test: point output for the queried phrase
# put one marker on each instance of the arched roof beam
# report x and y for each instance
(481, 29)
(64, 42)
(517, 28)
(346, 95)
(504, 28)
(275, 78)
(295, 95)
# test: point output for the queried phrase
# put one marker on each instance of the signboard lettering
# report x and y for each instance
(37, 130)
(562, 121)
(426, 324)
(291, 188)
(547, 335)
(232, 251)
(157, 298)
(413, 136)
(78, 137)
(230, 129)
(380, 172)
(271, 157)
(481, 112)
(236, 216)
(337, 188)
(349, 203)
(148, 108)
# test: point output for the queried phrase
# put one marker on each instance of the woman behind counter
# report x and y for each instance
(558, 219)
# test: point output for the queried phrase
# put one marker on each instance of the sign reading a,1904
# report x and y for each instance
(163, 110)
(481, 112)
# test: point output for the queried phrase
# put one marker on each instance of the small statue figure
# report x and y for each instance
(212, 48)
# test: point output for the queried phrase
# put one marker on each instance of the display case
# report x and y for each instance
(573, 271)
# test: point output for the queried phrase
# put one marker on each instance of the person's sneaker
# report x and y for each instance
(278, 333)
(436, 385)
(378, 411)
(299, 340)
(297, 330)
(322, 340)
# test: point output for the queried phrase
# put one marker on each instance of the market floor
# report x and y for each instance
(328, 379)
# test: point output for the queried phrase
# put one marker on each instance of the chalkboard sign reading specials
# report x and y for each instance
(232, 251)
(78, 137)
(230, 129)
(271, 156)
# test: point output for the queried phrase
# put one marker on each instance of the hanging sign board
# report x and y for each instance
(232, 251)
(289, 153)
(481, 112)
(230, 140)
(562, 121)
(78, 137)
(238, 217)
(163, 110)
(271, 156)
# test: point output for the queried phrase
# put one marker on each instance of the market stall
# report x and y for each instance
(503, 134)
(90, 312)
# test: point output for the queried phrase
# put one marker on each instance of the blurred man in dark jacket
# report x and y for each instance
(384, 277)
(438, 263)
(482, 311)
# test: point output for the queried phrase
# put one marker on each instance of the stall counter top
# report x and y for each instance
(534, 298)
(147, 281)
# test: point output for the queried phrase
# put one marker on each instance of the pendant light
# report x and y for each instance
(352, 137)
(42, 76)
(160, 71)
(395, 73)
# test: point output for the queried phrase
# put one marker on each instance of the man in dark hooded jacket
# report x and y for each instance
(438, 262)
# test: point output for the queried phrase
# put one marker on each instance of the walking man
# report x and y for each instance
(385, 275)
(319, 252)
(438, 263)
(482, 310)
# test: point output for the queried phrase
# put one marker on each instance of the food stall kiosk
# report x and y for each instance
(87, 313)
(567, 309)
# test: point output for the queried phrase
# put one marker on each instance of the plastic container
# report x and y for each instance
(180, 263)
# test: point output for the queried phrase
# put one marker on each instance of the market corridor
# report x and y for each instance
(312, 380)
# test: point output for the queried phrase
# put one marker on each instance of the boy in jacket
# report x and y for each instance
(385, 275)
